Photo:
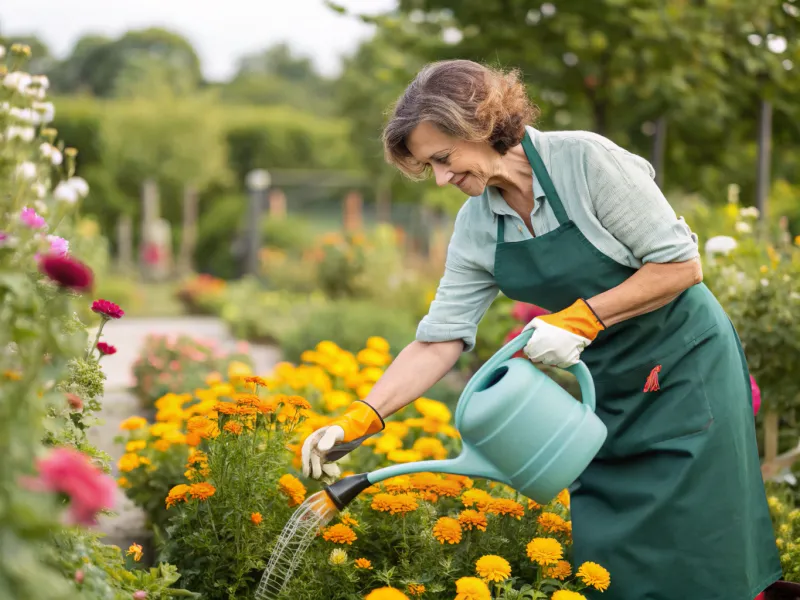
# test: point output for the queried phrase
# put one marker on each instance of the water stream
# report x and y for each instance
(297, 535)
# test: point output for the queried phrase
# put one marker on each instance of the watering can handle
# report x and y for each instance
(579, 369)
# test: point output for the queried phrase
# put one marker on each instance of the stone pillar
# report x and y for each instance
(277, 204)
(189, 236)
(125, 243)
(151, 211)
(353, 211)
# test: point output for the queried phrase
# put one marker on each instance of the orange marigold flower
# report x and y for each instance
(339, 534)
(135, 550)
(394, 504)
(202, 491)
(265, 407)
(133, 423)
(430, 447)
(397, 485)
(465, 481)
(447, 530)
(404, 456)
(203, 426)
(506, 506)
(233, 427)
(478, 498)
(561, 570)
(346, 519)
(449, 489)
(416, 589)
(298, 401)
(292, 488)
(533, 505)
(563, 498)
(493, 568)
(594, 575)
(255, 379)
(363, 563)
(544, 551)
(469, 519)
(551, 522)
(226, 408)
(256, 518)
(177, 494)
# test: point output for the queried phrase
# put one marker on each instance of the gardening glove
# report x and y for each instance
(559, 338)
(332, 442)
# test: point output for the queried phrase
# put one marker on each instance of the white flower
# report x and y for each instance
(17, 81)
(2, 52)
(56, 157)
(749, 212)
(764, 282)
(26, 115)
(79, 185)
(26, 134)
(45, 111)
(39, 189)
(720, 244)
(26, 170)
(65, 193)
(46, 150)
(5, 107)
(41, 80)
(337, 557)
(742, 227)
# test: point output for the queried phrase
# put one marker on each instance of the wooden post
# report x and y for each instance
(277, 204)
(125, 243)
(764, 157)
(353, 211)
(151, 211)
(189, 236)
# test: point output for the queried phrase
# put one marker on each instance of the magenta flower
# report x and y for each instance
(58, 245)
(106, 349)
(30, 218)
(756, 395)
(67, 272)
(107, 309)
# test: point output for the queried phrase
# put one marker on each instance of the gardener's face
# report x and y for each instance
(466, 165)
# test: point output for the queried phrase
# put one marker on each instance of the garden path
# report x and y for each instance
(128, 335)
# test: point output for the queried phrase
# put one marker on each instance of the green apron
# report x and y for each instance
(674, 504)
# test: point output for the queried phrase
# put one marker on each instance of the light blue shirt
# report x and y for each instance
(608, 192)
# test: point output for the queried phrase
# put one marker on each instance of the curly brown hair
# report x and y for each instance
(464, 99)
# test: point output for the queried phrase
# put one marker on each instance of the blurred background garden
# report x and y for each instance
(235, 171)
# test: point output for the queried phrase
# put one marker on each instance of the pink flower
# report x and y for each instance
(78, 576)
(58, 245)
(70, 472)
(525, 313)
(106, 349)
(756, 395)
(140, 595)
(107, 309)
(30, 218)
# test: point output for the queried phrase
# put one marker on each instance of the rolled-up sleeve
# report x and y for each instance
(465, 292)
(630, 205)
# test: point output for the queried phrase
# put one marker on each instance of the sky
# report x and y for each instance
(221, 32)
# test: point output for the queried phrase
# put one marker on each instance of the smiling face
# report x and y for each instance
(469, 166)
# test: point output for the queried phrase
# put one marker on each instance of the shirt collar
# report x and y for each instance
(495, 199)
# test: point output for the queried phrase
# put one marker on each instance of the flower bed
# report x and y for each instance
(218, 470)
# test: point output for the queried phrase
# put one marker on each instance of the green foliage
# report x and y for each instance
(290, 233)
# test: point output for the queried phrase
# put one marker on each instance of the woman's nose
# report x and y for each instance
(442, 174)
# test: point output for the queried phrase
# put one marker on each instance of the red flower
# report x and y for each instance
(525, 313)
(70, 472)
(107, 309)
(74, 401)
(106, 348)
(67, 272)
(511, 335)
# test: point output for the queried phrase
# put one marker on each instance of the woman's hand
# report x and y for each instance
(559, 338)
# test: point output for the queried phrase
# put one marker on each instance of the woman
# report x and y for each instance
(674, 504)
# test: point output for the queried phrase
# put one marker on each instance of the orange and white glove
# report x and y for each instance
(559, 338)
(332, 442)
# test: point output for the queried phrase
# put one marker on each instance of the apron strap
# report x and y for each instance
(544, 180)
(501, 229)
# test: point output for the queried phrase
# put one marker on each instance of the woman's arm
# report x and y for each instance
(650, 288)
(412, 373)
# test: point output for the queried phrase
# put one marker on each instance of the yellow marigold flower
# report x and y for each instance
(347, 519)
(551, 522)
(478, 498)
(396, 428)
(594, 575)
(161, 429)
(469, 519)
(533, 505)
(337, 557)
(135, 551)
(416, 589)
(339, 534)
(202, 491)
(363, 563)
(493, 568)
(387, 443)
(128, 462)
(177, 494)
(291, 487)
(386, 593)
(567, 595)
(135, 445)
(238, 370)
(373, 358)
(399, 484)
(394, 504)
(506, 506)
(450, 431)
(256, 518)
(371, 374)
(472, 588)
(433, 409)
(123, 482)
(447, 530)
(133, 423)
(174, 437)
(161, 445)
(563, 498)
(233, 427)
(561, 570)
(12, 375)
(378, 343)
(544, 551)
(429, 447)
(363, 390)
(404, 456)
(336, 399)
(328, 347)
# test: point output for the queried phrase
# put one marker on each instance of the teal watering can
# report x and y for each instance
(517, 427)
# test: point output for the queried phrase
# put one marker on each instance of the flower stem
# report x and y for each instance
(97, 337)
